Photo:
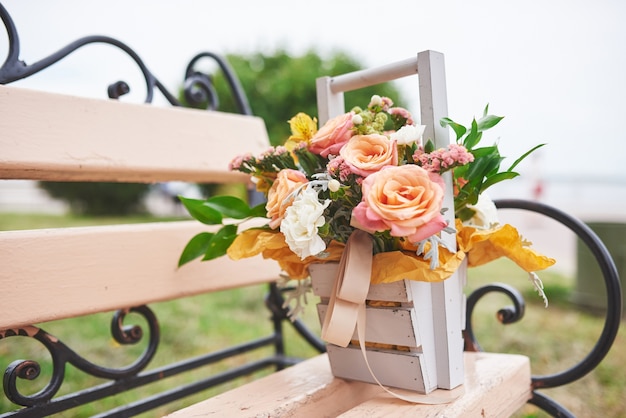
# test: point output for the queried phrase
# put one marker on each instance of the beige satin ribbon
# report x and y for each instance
(349, 289)
(346, 308)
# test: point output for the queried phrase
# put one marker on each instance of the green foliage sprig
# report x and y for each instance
(215, 211)
(484, 171)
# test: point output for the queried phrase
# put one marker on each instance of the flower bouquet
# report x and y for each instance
(357, 205)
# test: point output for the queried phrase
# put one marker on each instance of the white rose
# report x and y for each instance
(301, 222)
(408, 134)
(486, 213)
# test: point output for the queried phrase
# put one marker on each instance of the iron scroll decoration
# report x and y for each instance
(515, 312)
(62, 355)
(197, 87)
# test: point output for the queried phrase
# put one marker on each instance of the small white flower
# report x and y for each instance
(301, 222)
(486, 213)
(376, 100)
(333, 185)
(357, 119)
(408, 134)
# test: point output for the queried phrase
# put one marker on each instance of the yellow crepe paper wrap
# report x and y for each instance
(271, 244)
(480, 246)
(392, 266)
(483, 246)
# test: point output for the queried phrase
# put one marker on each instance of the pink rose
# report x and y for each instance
(333, 135)
(406, 200)
(367, 154)
(278, 196)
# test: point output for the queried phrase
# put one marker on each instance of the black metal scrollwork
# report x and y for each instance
(197, 87)
(506, 315)
(63, 355)
(513, 314)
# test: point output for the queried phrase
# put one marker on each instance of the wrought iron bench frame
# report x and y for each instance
(198, 89)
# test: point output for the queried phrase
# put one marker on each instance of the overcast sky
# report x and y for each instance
(555, 69)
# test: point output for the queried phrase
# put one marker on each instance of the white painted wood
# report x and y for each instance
(425, 324)
(496, 385)
(329, 104)
(386, 326)
(330, 98)
(59, 273)
(391, 292)
(447, 296)
(46, 136)
(397, 369)
(372, 76)
(409, 325)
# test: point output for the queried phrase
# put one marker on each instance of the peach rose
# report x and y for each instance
(278, 199)
(333, 135)
(367, 154)
(406, 200)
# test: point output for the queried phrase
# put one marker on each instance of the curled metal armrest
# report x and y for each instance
(515, 313)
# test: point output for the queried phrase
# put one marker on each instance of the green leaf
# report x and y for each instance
(481, 167)
(429, 146)
(199, 211)
(258, 211)
(465, 214)
(220, 242)
(195, 248)
(458, 129)
(473, 137)
(526, 154)
(229, 206)
(485, 151)
(488, 121)
(497, 178)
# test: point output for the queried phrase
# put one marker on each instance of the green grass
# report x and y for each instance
(17, 221)
(553, 338)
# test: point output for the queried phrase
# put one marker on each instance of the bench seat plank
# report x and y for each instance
(52, 274)
(496, 385)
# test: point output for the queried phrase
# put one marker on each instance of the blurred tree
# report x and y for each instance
(280, 85)
(99, 199)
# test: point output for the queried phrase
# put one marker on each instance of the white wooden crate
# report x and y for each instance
(410, 325)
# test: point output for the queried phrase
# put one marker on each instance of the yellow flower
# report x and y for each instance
(303, 127)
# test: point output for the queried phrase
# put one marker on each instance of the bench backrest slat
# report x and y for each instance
(58, 273)
(46, 136)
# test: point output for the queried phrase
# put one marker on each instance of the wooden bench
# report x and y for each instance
(53, 274)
